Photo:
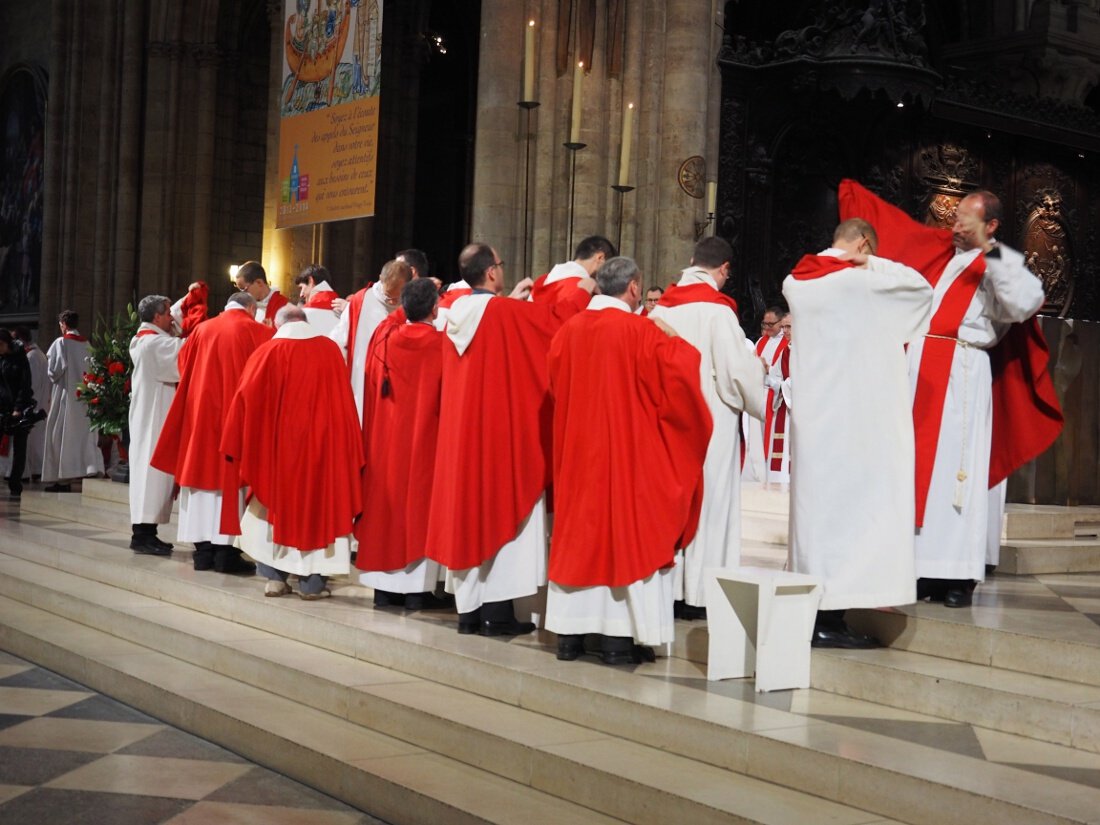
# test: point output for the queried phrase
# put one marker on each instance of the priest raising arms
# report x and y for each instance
(619, 379)
(851, 511)
(488, 516)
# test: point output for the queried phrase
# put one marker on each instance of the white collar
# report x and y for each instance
(297, 331)
(696, 275)
(599, 302)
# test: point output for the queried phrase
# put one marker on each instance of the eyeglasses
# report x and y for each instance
(769, 324)
(870, 245)
(499, 263)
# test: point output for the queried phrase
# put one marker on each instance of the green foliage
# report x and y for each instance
(106, 385)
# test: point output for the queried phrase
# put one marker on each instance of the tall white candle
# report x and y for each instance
(529, 62)
(712, 196)
(575, 123)
(628, 134)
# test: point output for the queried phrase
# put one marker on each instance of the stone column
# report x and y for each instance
(203, 138)
(277, 243)
(54, 184)
(127, 280)
(687, 64)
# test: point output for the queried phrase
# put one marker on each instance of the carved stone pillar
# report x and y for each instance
(277, 243)
(203, 138)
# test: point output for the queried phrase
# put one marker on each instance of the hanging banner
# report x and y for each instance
(328, 129)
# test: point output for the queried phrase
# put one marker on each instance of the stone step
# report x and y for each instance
(668, 711)
(1020, 557)
(382, 775)
(617, 777)
(1039, 521)
(92, 512)
(1037, 707)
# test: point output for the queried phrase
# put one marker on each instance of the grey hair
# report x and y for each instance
(151, 306)
(615, 275)
(242, 298)
(289, 313)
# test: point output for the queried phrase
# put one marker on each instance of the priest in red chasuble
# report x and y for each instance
(302, 499)
(619, 380)
(400, 432)
(210, 364)
(488, 516)
(590, 255)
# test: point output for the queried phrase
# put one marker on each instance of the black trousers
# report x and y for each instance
(18, 446)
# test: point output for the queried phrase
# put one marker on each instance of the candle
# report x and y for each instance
(575, 127)
(628, 133)
(529, 62)
(712, 196)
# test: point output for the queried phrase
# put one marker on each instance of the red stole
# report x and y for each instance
(322, 299)
(141, 333)
(452, 295)
(676, 296)
(354, 308)
(276, 301)
(776, 426)
(935, 372)
(818, 266)
(194, 308)
(72, 336)
(544, 293)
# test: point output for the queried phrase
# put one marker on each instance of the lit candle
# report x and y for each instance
(529, 62)
(575, 127)
(628, 133)
(712, 196)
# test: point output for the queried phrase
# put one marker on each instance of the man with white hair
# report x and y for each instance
(210, 365)
(298, 519)
(618, 379)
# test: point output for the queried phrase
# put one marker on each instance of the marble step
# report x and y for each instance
(620, 778)
(666, 711)
(1020, 557)
(92, 512)
(385, 776)
(1039, 521)
(1037, 707)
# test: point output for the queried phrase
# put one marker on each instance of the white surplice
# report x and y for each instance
(152, 388)
(732, 381)
(372, 313)
(952, 542)
(71, 449)
(852, 499)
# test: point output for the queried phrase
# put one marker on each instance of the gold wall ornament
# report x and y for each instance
(941, 210)
(1047, 249)
(692, 176)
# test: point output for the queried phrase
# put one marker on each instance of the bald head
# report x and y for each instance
(853, 233)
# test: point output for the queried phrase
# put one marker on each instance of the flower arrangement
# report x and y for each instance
(106, 385)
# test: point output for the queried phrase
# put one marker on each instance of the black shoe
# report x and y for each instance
(386, 598)
(203, 558)
(469, 623)
(957, 596)
(570, 646)
(621, 650)
(58, 488)
(844, 637)
(512, 628)
(689, 612)
(932, 589)
(167, 547)
(428, 601)
(228, 560)
(147, 546)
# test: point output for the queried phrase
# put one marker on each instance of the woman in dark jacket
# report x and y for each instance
(16, 402)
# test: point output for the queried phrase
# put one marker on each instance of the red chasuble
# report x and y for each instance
(676, 296)
(544, 293)
(311, 488)
(631, 429)
(322, 299)
(400, 430)
(452, 295)
(194, 308)
(210, 364)
(1027, 417)
(493, 459)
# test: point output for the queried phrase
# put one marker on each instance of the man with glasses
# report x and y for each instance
(487, 524)
(366, 309)
(252, 278)
(852, 447)
(652, 296)
(756, 432)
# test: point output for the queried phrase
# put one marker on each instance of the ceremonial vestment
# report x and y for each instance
(269, 307)
(558, 282)
(71, 449)
(400, 430)
(627, 411)
(154, 353)
(366, 309)
(488, 523)
(851, 510)
(318, 308)
(732, 382)
(40, 386)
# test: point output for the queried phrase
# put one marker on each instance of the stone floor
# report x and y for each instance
(70, 756)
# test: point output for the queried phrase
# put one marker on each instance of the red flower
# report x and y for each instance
(116, 367)
(88, 378)
(126, 387)
(93, 400)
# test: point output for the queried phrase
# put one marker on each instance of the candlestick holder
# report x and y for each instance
(622, 189)
(527, 106)
(701, 226)
(573, 149)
